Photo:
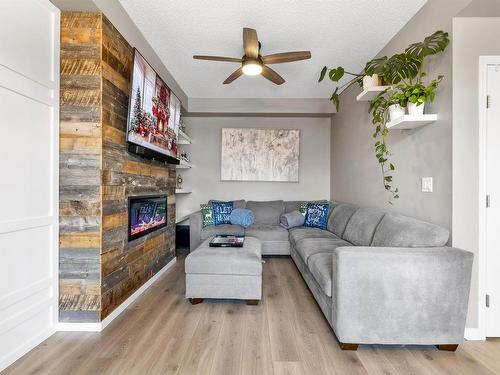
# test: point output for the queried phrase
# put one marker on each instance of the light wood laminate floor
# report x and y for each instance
(285, 334)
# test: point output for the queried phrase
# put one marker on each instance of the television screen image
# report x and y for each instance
(154, 111)
(146, 214)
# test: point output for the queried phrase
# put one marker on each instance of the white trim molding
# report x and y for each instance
(484, 61)
(98, 327)
(474, 334)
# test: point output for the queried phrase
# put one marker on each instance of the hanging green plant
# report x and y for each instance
(335, 75)
(404, 73)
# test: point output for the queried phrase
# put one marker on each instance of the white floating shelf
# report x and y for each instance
(411, 121)
(182, 191)
(184, 139)
(184, 165)
(370, 93)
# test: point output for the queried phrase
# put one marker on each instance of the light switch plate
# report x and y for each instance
(426, 184)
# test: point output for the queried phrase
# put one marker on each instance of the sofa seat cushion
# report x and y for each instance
(321, 267)
(267, 232)
(229, 229)
(311, 246)
(300, 233)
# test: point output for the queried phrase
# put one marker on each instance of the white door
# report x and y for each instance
(29, 129)
(492, 118)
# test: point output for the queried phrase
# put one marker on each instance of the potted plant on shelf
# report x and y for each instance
(404, 73)
(418, 94)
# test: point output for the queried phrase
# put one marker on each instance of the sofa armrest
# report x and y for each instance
(195, 227)
(391, 295)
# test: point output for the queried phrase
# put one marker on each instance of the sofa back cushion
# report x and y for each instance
(290, 206)
(362, 225)
(240, 203)
(295, 205)
(402, 231)
(339, 218)
(266, 212)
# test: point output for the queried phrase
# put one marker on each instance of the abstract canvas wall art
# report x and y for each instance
(260, 155)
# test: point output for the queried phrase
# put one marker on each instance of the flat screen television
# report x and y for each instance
(153, 114)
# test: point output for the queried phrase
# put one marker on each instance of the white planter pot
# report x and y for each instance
(370, 81)
(414, 109)
(396, 111)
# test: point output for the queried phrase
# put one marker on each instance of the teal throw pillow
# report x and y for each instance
(303, 208)
(207, 212)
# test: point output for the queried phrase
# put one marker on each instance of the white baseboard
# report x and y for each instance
(474, 334)
(79, 327)
(98, 327)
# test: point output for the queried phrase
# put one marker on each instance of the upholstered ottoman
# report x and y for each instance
(225, 272)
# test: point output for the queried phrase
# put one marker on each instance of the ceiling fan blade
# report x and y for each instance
(250, 42)
(237, 73)
(217, 58)
(271, 75)
(278, 58)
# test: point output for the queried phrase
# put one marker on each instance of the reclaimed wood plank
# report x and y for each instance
(81, 145)
(112, 221)
(80, 129)
(78, 240)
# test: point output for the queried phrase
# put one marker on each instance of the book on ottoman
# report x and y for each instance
(227, 241)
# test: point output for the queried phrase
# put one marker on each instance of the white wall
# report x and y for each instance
(423, 152)
(426, 151)
(472, 37)
(204, 178)
(29, 112)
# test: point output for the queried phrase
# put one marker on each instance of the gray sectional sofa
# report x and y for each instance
(378, 277)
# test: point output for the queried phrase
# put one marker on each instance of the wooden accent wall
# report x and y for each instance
(99, 268)
(125, 266)
(80, 167)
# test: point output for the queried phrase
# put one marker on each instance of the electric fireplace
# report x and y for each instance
(146, 214)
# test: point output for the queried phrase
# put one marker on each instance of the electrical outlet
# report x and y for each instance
(426, 184)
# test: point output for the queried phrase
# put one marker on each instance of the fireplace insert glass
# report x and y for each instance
(146, 214)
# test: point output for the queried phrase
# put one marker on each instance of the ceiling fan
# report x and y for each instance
(252, 63)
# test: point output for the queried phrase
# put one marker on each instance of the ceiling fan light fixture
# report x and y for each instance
(252, 68)
(253, 63)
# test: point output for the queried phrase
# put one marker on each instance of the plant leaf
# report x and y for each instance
(336, 74)
(335, 99)
(400, 67)
(431, 45)
(375, 66)
(322, 74)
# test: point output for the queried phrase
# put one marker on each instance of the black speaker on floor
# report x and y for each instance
(182, 239)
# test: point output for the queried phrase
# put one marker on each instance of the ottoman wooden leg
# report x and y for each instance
(346, 346)
(195, 301)
(447, 347)
(252, 302)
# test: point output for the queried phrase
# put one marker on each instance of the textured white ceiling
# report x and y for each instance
(337, 32)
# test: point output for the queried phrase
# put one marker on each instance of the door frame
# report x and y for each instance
(484, 61)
